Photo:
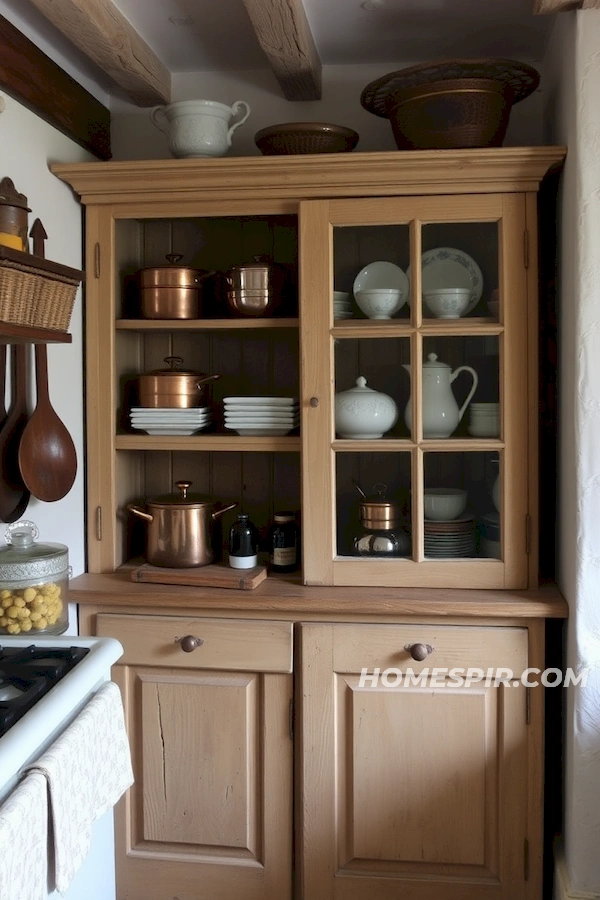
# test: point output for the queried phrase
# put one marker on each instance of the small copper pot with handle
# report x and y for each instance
(180, 527)
(171, 291)
(173, 387)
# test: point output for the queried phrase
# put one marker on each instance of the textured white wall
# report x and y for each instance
(135, 137)
(27, 145)
(573, 118)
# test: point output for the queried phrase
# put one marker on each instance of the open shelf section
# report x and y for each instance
(209, 442)
(26, 334)
(204, 324)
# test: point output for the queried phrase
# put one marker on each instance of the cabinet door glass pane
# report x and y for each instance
(373, 504)
(462, 505)
(459, 270)
(370, 280)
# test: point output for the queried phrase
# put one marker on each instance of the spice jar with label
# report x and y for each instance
(243, 543)
(283, 543)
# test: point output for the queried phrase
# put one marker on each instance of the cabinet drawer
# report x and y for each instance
(237, 644)
(451, 646)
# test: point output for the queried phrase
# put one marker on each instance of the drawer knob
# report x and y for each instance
(419, 652)
(314, 402)
(189, 642)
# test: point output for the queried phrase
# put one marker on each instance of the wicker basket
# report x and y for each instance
(305, 137)
(455, 113)
(35, 292)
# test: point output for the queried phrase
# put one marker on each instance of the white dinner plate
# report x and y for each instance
(381, 275)
(259, 414)
(253, 431)
(169, 429)
(447, 267)
(261, 423)
(171, 410)
(261, 401)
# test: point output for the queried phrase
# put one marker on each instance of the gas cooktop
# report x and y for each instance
(27, 673)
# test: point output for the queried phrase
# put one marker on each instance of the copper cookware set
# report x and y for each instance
(173, 291)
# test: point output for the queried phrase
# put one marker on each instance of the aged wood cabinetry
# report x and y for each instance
(325, 221)
(401, 793)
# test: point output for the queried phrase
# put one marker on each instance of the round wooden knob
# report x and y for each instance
(314, 401)
(419, 652)
(189, 643)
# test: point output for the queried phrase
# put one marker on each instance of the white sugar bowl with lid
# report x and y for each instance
(364, 414)
(34, 580)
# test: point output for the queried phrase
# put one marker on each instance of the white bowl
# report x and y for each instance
(444, 504)
(447, 303)
(380, 303)
(342, 297)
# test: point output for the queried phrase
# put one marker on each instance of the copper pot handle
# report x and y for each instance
(207, 378)
(141, 513)
(419, 652)
(222, 509)
(189, 642)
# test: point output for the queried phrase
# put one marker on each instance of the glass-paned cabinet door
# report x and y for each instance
(416, 403)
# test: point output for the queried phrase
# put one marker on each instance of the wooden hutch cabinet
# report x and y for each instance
(408, 789)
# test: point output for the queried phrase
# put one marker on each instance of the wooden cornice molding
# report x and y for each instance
(284, 34)
(106, 37)
(35, 80)
(190, 182)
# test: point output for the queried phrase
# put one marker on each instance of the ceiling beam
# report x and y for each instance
(106, 37)
(35, 80)
(591, 4)
(284, 34)
(541, 7)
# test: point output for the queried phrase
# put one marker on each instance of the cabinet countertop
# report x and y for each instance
(287, 595)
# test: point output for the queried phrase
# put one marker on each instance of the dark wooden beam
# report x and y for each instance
(541, 7)
(284, 34)
(35, 80)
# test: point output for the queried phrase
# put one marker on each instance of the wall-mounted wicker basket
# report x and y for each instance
(36, 292)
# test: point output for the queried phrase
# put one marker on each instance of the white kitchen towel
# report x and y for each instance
(87, 770)
(24, 841)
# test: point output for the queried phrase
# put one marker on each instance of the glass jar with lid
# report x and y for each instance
(34, 579)
(283, 543)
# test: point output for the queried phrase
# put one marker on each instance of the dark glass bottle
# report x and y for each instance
(243, 543)
(283, 543)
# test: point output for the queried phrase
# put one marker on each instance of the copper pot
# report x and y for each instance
(173, 388)
(180, 527)
(171, 291)
(254, 289)
(377, 513)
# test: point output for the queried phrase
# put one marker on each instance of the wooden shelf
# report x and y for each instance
(204, 324)
(209, 442)
(25, 334)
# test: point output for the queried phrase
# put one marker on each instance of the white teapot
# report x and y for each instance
(197, 128)
(441, 414)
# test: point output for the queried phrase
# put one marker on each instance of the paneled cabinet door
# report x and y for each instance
(209, 816)
(413, 791)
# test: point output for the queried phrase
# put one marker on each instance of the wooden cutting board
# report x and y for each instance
(203, 576)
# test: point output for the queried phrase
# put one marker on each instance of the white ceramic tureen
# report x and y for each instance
(364, 414)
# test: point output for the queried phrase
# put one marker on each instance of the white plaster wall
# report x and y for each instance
(573, 118)
(135, 137)
(27, 145)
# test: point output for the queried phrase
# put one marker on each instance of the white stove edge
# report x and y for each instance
(43, 723)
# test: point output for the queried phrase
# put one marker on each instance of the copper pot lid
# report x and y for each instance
(173, 364)
(171, 274)
(183, 500)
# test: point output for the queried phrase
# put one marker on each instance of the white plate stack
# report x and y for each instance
(484, 420)
(342, 305)
(169, 420)
(452, 539)
(261, 415)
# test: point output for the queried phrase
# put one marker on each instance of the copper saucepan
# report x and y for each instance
(173, 387)
(171, 291)
(180, 527)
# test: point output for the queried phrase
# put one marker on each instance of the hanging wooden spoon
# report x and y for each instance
(14, 495)
(2, 384)
(47, 456)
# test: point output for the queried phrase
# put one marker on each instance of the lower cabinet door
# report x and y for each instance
(413, 788)
(210, 814)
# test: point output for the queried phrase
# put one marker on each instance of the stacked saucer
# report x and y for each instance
(484, 420)
(342, 305)
(261, 415)
(169, 420)
(456, 538)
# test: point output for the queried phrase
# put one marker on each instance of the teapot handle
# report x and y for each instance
(235, 108)
(461, 411)
(158, 118)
